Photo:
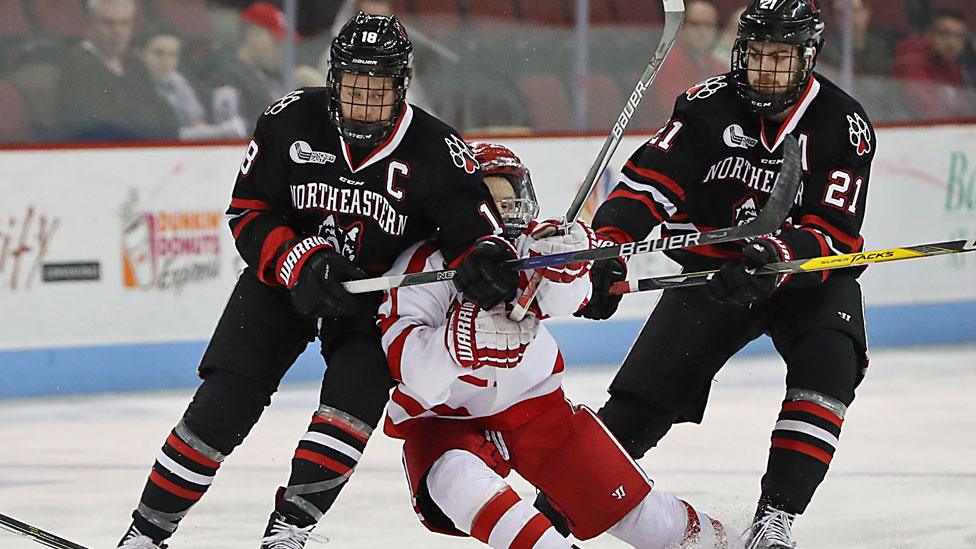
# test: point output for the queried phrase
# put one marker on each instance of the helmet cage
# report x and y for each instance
(369, 46)
(519, 211)
(796, 23)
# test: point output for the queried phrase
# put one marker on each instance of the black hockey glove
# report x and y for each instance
(314, 273)
(736, 283)
(483, 274)
(604, 273)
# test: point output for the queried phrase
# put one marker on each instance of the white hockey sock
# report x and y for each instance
(482, 504)
(661, 520)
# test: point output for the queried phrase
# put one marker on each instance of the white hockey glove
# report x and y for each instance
(579, 236)
(477, 337)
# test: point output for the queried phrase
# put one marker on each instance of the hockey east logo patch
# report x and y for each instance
(301, 153)
(860, 134)
(736, 137)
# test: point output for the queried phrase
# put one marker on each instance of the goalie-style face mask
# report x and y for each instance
(510, 184)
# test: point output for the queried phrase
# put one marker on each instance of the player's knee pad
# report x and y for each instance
(824, 361)
(636, 423)
(460, 484)
(225, 408)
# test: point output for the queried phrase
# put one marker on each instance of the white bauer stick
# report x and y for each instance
(674, 16)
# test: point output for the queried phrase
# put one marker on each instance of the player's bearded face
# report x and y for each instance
(366, 98)
(772, 66)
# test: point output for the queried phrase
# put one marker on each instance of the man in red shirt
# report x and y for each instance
(931, 74)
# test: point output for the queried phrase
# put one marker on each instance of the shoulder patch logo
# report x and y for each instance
(461, 154)
(301, 153)
(706, 89)
(280, 105)
(735, 136)
(860, 134)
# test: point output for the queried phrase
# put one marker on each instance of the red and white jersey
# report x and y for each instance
(413, 321)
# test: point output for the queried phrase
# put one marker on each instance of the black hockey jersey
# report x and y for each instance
(299, 178)
(714, 163)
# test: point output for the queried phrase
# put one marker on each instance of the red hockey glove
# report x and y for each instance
(314, 273)
(483, 274)
(578, 237)
(478, 337)
(737, 284)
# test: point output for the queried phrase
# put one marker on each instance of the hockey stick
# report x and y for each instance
(766, 221)
(674, 16)
(36, 534)
(700, 278)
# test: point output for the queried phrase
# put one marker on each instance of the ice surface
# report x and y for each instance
(904, 475)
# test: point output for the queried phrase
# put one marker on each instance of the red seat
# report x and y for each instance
(601, 12)
(550, 12)
(400, 8)
(639, 12)
(189, 17)
(546, 102)
(603, 101)
(15, 125)
(438, 15)
(65, 19)
(13, 21)
(491, 13)
(889, 15)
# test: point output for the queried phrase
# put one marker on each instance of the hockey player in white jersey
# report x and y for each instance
(479, 395)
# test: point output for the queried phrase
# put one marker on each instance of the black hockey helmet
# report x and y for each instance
(497, 160)
(369, 46)
(798, 23)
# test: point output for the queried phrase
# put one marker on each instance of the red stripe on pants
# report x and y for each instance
(319, 459)
(160, 480)
(489, 515)
(803, 448)
(531, 532)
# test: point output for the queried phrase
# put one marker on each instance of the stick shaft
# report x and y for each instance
(824, 263)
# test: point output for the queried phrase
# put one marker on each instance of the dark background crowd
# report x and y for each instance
(122, 70)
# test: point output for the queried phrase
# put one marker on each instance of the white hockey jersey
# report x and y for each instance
(413, 321)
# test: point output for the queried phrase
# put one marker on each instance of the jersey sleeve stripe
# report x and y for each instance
(395, 354)
(650, 204)
(656, 193)
(240, 222)
(269, 251)
(408, 403)
(657, 177)
(824, 249)
(248, 204)
(835, 233)
(615, 234)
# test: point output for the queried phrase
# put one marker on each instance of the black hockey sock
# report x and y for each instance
(803, 444)
(323, 462)
(222, 412)
(183, 471)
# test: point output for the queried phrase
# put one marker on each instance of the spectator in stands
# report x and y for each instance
(723, 46)
(105, 93)
(932, 76)
(160, 49)
(249, 80)
(36, 75)
(691, 60)
(872, 55)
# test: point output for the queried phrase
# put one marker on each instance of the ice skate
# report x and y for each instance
(281, 534)
(134, 539)
(771, 529)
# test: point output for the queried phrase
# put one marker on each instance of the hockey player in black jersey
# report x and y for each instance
(712, 166)
(336, 183)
